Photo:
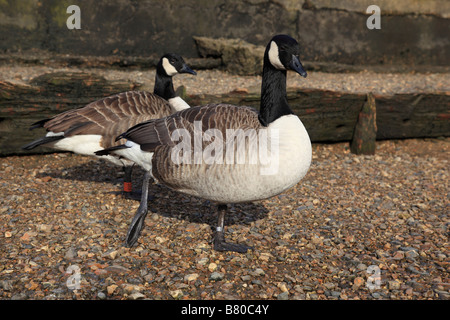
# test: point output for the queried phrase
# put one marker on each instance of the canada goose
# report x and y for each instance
(155, 145)
(95, 126)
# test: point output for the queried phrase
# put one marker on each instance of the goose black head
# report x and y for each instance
(171, 64)
(283, 54)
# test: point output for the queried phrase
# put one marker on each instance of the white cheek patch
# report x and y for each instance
(170, 69)
(274, 56)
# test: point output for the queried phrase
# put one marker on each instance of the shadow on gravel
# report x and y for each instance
(162, 200)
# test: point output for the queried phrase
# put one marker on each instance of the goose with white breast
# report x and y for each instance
(96, 125)
(209, 151)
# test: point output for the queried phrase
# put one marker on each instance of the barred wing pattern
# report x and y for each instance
(110, 116)
(189, 177)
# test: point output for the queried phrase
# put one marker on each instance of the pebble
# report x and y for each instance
(176, 294)
(283, 296)
(216, 276)
(399, 255)
(212, 266)
(71, 253)
(101, 295)
(282, 286)
(411, 254)
(191, 277)
(394, 285)
(110, 289)
(353, 217)
(138, 296)
(258, 272)
(358, 282)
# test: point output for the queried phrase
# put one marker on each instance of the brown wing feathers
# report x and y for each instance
(157, 132)
(109, 116)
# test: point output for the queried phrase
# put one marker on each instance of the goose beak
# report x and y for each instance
(186, 69)
(296, 66)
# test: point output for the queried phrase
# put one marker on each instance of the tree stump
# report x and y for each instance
(365, 133)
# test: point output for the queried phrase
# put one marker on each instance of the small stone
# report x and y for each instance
(329, 285)
(20, 296)
(191, 277)
(282, 287)
(110, 289)
(358, 282)
(362, 266)
(46, 179)
(176, 294)
(212, 266)
(71, 253)
(45, 227)
(216, 276)
(117, 268)
(130, 288)
(257, 272)
(6, 285)
(101, 295)
(111, 254)
(137, 296)
(411, 254)
(335, 294)
(399, 255)
(376, 295)
(394, 285)
(160, 239)
(8, 234)
(316, 240)
(441, 257)
(246, 278)
(26, 236)
(203, 261)
(283, 296)
(422, 206)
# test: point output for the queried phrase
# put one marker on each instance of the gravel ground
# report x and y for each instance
(219, 82)
(352, 219)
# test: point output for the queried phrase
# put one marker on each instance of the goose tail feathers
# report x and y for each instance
(41, 141)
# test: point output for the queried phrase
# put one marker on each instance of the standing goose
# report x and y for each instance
(210, 174)
(95, 126)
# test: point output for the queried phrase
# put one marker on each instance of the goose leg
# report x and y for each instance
(138, 220)
(127, 170)
(219, 237)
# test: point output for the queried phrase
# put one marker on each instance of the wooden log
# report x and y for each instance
(365, 133)
(46, 96)
(413, 115)
(327, 115)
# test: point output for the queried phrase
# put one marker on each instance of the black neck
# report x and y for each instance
(163, 85)
(273, 94)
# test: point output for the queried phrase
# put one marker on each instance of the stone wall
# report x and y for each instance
(413, 32)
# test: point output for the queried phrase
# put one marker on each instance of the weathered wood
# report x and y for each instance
(365, 132)
(45, 96)
(413, 115)
(327, 115)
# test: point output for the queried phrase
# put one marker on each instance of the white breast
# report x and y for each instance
(295, 150)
